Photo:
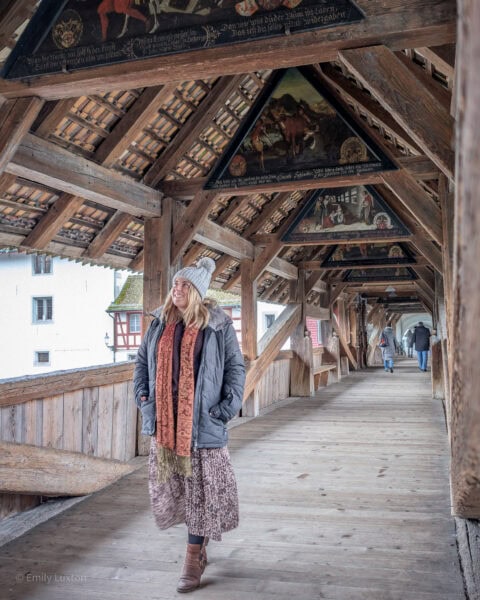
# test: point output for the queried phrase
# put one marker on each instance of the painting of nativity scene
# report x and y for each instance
(345, 213)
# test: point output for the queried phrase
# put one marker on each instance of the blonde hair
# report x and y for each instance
(195, 314)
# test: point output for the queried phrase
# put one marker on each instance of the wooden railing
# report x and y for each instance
(87, 411)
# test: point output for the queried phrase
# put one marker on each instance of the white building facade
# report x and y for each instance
(54, 314)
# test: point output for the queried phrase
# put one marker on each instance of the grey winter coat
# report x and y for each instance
(219, 386)
(420, 338)
(389, 351)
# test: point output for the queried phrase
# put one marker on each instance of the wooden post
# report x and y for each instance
(156, 271)
(465, 426)
(301, 372)
(249, 329)
(437, 370)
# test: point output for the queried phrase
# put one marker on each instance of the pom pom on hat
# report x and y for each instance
(199, 275)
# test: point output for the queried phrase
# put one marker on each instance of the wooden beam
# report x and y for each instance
(303, 184)
(414, 107)
(249, 311)
(440, 93)
(13, 13)
(56, 112)
(362, 99)
(48, 164)
(270, 345)
(282, 268)
(102, 242)
(336, 291)
(193, 217)
(420, 168)
(317, 312)
(29, 469)
(344, 345)
(130, 126)
(16, 118)
(443, 57)
(419, 23)
(63, 209)
(36, 387)
(263, 260)
(137, 263)
(429, 251)
(197, 122)
(223, 240)
(265, 239)
(420, 205)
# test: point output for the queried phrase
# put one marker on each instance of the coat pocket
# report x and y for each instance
(149, 417)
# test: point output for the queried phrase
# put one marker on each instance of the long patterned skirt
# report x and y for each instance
(207, 501)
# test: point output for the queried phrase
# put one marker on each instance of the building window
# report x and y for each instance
(134, 324)
(42, 358)
(42, 310)
(269, 319)
(42, 264)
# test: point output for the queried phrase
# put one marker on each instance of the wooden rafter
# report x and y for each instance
(420, 205)
(65, 207)
(364, 100)
(410, 103)
(108, 235)
(129, 127)
(16, 118)
(209, 107)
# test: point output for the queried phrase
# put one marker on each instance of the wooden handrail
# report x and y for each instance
(34, 387)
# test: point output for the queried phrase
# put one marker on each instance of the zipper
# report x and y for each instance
(199, 389)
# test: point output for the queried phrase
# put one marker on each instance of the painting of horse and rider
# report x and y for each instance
(297, 131)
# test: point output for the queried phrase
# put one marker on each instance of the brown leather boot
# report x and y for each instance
(192, 569)
(203, 554)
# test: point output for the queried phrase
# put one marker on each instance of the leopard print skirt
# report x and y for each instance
(207, 502)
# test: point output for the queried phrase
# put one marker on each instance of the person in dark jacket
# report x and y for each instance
(421, 341)
(188, 382)
(388, 350)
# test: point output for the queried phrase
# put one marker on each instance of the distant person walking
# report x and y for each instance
(408, 337)
(387, 344)
(421, 341)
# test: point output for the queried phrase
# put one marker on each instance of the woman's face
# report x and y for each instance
(180, 290)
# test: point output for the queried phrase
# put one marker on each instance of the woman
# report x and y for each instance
(189, 379)
(387, 344)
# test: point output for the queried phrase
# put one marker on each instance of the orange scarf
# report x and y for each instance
(174, 447)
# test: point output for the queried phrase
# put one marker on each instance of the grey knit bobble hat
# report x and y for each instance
(198, 275)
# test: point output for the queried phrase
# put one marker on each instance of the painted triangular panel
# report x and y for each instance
(347, 214)
(65, 35)
(296, 130)
(364, 255)
(381, 274)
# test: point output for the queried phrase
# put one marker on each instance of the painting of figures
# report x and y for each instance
(296, 131)
(386, 274)
(353, 255)
(75, 34)
(347, 213)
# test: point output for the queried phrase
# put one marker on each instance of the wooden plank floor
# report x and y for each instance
(343, 496)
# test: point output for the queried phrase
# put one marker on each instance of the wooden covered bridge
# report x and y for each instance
(325, 155)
